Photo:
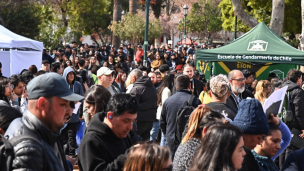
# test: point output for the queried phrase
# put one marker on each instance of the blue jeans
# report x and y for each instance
(154, 130)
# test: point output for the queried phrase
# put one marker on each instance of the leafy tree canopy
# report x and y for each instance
(261, 11)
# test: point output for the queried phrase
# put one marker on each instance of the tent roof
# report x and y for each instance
(260, 44)
(13, 40)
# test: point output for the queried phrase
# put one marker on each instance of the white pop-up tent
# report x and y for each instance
(19, 52)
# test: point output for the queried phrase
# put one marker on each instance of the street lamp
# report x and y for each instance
(185, 13)
(122, 14)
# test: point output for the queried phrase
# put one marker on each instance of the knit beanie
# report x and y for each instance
(251, 118)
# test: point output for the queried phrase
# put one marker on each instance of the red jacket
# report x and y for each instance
(139, 53)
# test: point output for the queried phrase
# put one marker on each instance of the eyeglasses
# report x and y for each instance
(240, 79)
(10, 86)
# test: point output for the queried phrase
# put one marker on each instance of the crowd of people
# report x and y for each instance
(102, 108)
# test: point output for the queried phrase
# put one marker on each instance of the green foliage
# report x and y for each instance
(51, 27)
(261, 11)
(294, 42)
(22, 19)
(132, 28)
(204, 16)
(88, 16)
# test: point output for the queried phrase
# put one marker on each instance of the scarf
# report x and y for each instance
(265, 163)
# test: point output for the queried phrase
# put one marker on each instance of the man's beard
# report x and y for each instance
(239, 89)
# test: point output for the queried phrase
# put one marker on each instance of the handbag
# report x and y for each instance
(296, 140)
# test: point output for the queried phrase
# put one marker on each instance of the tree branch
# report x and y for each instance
(243, 15)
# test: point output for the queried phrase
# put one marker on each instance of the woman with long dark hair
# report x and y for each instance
(164, 92)
(6, 93)
(96, 100)
(221, 150)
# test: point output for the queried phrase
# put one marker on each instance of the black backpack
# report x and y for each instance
(7, 153)
(182, 117)
(286, 114)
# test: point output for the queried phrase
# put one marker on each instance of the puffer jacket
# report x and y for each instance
(76, 87)
(146, 95)
(297, 105)
(29, 154)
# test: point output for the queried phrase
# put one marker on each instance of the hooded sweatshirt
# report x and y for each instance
(296, 104)
(146, 95)
(101, 149)
(76, 87)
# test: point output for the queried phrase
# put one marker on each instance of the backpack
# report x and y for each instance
(7, 153)
(182, 117)
(286, 114)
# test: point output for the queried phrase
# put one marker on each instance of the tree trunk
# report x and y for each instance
(116, 17)
(301, 38)
(167, 8)
(277, 16)
(133, 6)
(243, 15)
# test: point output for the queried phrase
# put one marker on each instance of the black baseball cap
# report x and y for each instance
(49, 85)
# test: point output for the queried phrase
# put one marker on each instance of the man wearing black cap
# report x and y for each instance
(48, 111)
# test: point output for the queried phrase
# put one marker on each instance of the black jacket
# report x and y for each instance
(168, 115)
(130, 53)
(146, 95)
(294, 161)
(198, 87)
(231, 101)
(101, 149)
(249, 163)
(29, 154)
(223, 108)
(297, 105)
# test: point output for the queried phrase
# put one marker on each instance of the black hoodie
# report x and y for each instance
(146, 95)
(101, 149)
(297, 105)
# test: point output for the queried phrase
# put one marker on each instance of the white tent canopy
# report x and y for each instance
(15, 60)
(10, 40)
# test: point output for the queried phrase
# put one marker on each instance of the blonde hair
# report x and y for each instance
(194, 123)
(147, 157)
(261, 91)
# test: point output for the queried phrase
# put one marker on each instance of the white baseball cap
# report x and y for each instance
(104, 71)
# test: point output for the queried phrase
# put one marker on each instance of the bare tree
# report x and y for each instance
(243, 15)
(277, 16)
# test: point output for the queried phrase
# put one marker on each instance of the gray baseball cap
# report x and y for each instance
(51, 84)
